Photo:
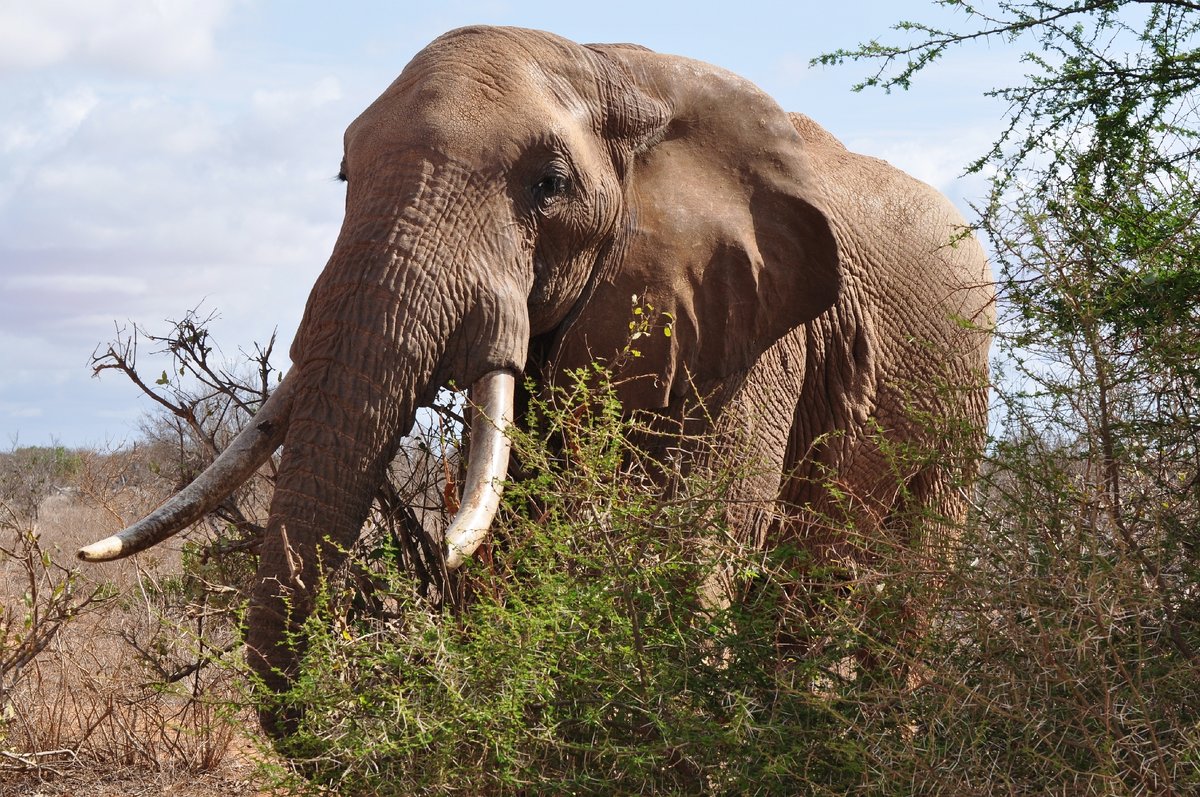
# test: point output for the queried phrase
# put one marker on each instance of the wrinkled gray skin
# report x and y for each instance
(511, 192)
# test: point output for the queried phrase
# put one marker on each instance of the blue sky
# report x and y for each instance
(156, 156)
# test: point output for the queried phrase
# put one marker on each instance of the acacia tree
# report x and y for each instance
(202, 402)
(1082, 604)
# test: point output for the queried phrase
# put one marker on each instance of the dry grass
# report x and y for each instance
(90, 713)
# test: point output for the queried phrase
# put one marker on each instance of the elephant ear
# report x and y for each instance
(725, 231)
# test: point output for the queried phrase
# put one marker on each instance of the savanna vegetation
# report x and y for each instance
(1053, 648)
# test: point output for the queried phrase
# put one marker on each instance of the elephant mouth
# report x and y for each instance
(492, 399)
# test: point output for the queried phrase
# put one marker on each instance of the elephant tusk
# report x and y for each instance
(490, 446)
(251, 448)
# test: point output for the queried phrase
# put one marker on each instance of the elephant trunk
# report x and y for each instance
(334, 459)
(396, 314)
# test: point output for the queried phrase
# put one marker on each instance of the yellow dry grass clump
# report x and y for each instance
(100, 688)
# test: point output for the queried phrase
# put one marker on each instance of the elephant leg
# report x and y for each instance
(753, 414)
(926, 521)
(877, 538)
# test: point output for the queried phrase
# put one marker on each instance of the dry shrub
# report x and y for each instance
(125, 665)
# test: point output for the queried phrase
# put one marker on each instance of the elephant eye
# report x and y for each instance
(549, 188)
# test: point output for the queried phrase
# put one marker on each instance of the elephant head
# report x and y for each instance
(514, 187)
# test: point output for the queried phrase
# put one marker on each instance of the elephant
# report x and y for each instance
(507, 197)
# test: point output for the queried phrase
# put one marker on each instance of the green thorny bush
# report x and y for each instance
(1066, 659)
(585, 654)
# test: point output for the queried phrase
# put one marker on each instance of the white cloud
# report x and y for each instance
(75, 283)
(16, 136)
(139, 36)
(938, 157)
(34, 360)
(292, 101)
(29, 38)
(133, 190)
(135, 200)
(48, 120)
(67, 111)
